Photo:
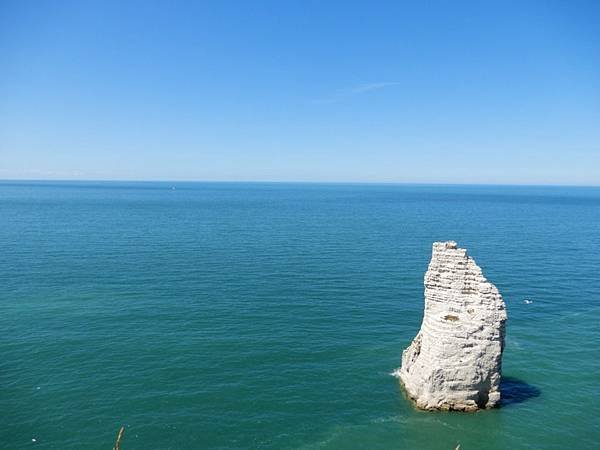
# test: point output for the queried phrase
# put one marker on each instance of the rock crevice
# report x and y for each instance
(455, 361)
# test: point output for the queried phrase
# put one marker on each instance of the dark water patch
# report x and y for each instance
(516, 391)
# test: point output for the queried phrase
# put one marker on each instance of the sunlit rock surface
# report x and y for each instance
(455, 360)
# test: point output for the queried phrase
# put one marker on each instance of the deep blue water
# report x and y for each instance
(232, 315)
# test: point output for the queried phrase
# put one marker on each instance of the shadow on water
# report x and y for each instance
(514, 391)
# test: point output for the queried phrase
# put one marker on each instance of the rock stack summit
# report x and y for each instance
(455, 361)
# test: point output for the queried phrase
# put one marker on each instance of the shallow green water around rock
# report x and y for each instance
(271, 315)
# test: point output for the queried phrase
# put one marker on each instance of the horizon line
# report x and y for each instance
(407, 183)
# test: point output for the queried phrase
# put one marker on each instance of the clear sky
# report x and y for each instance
(443, 92)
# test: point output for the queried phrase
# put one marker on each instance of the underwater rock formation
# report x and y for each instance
(455, 361)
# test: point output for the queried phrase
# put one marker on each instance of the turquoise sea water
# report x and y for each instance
(271, 315)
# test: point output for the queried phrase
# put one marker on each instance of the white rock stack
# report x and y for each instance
(455, 361)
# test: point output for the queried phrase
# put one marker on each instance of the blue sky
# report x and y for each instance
(443, 92)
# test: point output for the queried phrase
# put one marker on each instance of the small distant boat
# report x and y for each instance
(527, 301)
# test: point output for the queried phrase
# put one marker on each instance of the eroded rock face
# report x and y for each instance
(455, 360)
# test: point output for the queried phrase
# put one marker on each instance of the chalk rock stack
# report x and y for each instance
(455, 361)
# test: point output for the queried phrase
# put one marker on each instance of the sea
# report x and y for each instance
(272, 315)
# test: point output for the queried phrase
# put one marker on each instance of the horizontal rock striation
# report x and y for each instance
(454, 362)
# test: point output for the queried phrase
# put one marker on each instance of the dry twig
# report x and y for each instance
(119, 437)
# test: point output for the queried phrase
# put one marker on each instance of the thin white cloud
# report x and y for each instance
(367, 87)
(356, 90)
